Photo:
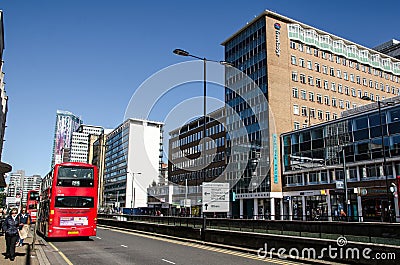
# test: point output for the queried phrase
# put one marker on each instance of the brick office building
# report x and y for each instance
(308, 76)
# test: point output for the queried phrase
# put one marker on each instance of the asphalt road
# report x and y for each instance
(112, 246)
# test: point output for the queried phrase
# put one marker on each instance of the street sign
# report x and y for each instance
(339, 184)
(215, 197)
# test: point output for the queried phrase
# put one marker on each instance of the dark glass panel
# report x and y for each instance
(361, 135)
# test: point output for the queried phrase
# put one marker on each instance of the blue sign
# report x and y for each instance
(276, 159)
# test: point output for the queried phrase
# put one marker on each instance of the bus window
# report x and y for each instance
(75, 177)
(74, 202)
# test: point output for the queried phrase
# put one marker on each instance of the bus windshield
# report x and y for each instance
(74, 202)
(33, 195)
(75, 176)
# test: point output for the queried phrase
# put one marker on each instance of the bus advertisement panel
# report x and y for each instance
(32, 203)
(68, 206)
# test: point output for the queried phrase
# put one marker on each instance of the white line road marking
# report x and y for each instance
(168, 261)
(98, 237)
(124, 246)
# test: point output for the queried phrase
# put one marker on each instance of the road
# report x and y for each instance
(112, 246)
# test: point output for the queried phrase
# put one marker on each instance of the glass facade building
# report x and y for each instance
(313, 165)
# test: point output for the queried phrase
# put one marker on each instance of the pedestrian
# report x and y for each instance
(10, 226)
(24, 222)
(343, 215)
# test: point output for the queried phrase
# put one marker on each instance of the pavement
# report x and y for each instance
(25, 255)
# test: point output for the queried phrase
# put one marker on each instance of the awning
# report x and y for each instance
(4, 168)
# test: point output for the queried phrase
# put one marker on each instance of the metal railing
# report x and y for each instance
(382, 233)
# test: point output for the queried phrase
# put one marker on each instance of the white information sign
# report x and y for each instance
(215, 197)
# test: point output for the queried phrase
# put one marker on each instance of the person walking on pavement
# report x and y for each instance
(24, 222)
(10, 226)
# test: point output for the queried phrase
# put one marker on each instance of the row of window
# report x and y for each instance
(190, 163)
(302, 78)
(339, 74)
(373, 171)
(310, 112)
(210, 172)
(198, 135)
(347, 62)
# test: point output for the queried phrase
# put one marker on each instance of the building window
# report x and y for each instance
(332, 71)
(340, 88)
(301, 47)
(325, 69)
(295, 92)
(310, 81)
(353, 92)
(338, 73)
(326, 84)
(333, 86)
(337, 59)
(372, 96)
(309, 65)
(359, 93)
(304, 111)
(358, 79)
(303, 78)
(327, 116)
(292, 44)
(334, 116)
(320, 115)
(296, 109)
(303, 94)
(318, 82)
(347, 90)
(296, 125)
(301, 62)
(317, 67)
(347, 104)
(316, 52)
(326, 99)
(352, 78)
(294, 59)
(323, 55)
(311, 96)
(341, 104)
(294, 76)
(334, 102)
(371, 84)
(365, 81)
(308, 49)
(344, 61)
(345, 76)
(312, 113)
(319, 98)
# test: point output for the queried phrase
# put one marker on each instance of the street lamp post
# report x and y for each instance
(133, 190)
(205, 60)
(384, 152)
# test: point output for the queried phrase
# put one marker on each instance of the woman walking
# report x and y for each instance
(24, 222)
(10, 226)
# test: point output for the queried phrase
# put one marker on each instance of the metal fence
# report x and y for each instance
(380, 233)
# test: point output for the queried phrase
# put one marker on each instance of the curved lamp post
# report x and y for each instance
(205, 60)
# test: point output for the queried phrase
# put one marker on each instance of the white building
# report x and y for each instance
(132, 162)
(20, 184)
(80, 142)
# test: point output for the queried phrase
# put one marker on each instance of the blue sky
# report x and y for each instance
(88, 57)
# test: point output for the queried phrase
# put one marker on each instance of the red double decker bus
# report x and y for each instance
(31, 204)
(68, 205)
